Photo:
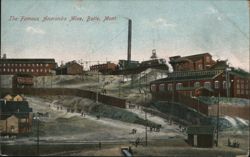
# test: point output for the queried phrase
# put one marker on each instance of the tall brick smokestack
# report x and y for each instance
(129, 39)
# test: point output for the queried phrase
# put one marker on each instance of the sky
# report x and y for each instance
(172, 27)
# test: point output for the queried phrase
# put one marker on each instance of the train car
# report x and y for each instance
(22, 81)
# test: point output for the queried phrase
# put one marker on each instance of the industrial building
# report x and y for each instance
(70, 68)
(219, 79)
(16, 116)
(32, 66)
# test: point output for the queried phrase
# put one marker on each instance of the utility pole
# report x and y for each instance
(218, 116)
(146, 127)
(173, 94)
(97, 84)
(37, 146)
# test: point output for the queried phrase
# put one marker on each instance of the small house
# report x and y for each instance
(201, 136)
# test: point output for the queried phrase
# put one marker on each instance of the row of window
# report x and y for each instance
(196, 85)
(242, 91)
(23, 65)
(23, 70)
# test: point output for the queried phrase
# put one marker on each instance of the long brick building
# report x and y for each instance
(36, 67)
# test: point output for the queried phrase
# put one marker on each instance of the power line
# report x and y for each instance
(231, 21)
(103, 45)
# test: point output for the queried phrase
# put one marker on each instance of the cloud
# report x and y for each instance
(33, 30)
(161, 23)
(212, 10)
(215, 12)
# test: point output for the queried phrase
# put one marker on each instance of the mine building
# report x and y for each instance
(106, 68)
(15, 116)
(215, 78)
(185, 86)
(70, 68)
(32, 66)
(194, 62)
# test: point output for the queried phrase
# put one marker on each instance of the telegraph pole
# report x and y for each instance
(97, 85)
(146, 127)
(217, 124)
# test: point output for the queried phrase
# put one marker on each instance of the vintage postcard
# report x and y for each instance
(125, 78)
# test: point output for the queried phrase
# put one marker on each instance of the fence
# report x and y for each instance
(230, 110)
(186, 100)
(109, 100)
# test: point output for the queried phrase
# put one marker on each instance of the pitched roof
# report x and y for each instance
(190, 75)
(240, 73)
(192, 58)
(196, 57)
(14, 106)
(200, 129)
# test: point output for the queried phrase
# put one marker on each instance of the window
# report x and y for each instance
(3, 69)
(162, 87)
(178, 85)
(37, 65)
(153, 88)
(207, 84)
(246, 92)
(8, 69)
(197, 84)
(200, 66)
(216, 84)
(41, 70)
(28, 70)
(47, 65)
(242, 91)
(242, 84)
(15, 70)
(36, 70)
(238, 91)
(225, 85)
(32, 70)
(170, 87)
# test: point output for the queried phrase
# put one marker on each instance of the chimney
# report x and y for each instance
(129, 39)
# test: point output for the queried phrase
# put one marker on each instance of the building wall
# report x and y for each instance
(3, 125)
(103, 67)
(203, 63)
(239, 87)
(230, 110)
(205, 141)
(38, 69)
(74, 69)
(12, 122)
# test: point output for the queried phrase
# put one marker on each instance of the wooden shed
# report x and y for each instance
(201, 136)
